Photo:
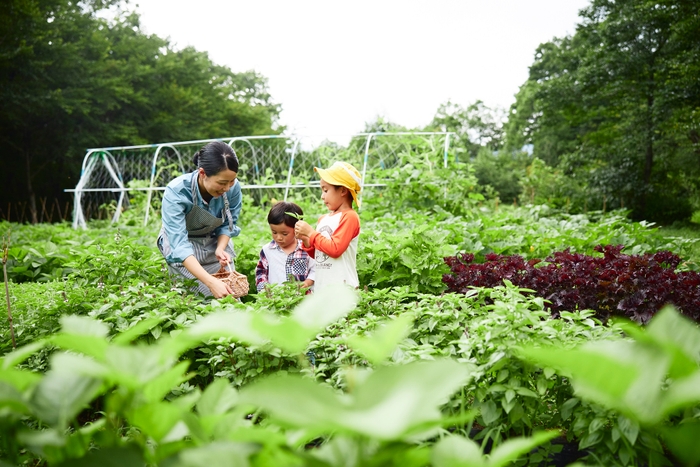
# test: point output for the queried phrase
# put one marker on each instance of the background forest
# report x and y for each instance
(608, 118)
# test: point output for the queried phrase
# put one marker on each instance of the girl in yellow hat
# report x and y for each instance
(334, 242)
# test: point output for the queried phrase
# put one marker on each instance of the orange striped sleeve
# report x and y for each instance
(348, 228)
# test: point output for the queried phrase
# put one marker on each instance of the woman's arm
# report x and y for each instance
(217, 287)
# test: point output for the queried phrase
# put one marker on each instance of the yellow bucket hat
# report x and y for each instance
(343, 174)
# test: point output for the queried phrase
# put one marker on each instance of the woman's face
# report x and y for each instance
(219, 183)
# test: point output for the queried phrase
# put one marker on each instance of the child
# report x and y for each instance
(334, 242)
(283, 256)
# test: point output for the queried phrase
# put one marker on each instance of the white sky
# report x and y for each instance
(334, 65)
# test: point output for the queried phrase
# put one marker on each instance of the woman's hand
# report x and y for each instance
(223, 256)
(302, 229)
(218, 288)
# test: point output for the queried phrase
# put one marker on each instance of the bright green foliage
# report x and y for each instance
(649, 378)
(384, 409)
(614, 108)
(70, 80)
(171, 365)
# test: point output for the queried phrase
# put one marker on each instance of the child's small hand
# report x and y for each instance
(302, 229)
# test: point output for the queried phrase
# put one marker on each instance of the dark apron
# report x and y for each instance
(200, 225)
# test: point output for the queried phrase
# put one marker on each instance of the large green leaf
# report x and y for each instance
(84, 326)
(680, 337)
(379, 346)
(386, 405)
(88, 345)
(157, 388)
(622, 375)
(19, 355)
(217, 399)
(457, 451)
(155, 419)
(108, 457)
(133, 366)
(216, 454)
(11, 398)
(514, 448)
(137, 330)
(682, 440)
(326, 306)
(62, 394)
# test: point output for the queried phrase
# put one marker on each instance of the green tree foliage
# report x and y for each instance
(476, 125)
(70, 80)
(619, 102)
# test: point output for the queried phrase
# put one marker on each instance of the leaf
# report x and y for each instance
(386, 405)
(81, 325)
(514, 448)
(315, 312)
(217, 398)
(628, 428)
(137, 330)
(682, 440)
(457, 451)
(11, 398)
(215, 454)
(233, 325)
(379, 346)
(133, 366)
(108, 457)
(19, 355)
(61, 395)
(680, 337)
(489, 412)
(89, 345)
(155, 419)
(157, 388)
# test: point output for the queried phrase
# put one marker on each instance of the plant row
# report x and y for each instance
(614, 284)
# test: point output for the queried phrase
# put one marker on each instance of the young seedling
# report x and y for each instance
(298, 217)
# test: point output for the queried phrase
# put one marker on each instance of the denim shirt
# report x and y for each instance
(178, 201)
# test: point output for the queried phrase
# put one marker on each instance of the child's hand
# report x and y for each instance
(302, 229)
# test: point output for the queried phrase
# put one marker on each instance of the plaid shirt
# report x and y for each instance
(276, 266)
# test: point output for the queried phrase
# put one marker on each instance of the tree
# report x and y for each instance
(476, 125)
(621, 96)
(70, 80)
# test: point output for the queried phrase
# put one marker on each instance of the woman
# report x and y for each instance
(200, 211)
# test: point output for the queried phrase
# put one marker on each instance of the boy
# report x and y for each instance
(334, 242)
(283, 258)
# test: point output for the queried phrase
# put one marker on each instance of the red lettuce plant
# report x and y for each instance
(616, 284)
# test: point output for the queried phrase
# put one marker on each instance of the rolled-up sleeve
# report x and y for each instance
(235, 200)
(174, 209)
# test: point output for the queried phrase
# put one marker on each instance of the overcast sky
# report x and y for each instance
(334, 65)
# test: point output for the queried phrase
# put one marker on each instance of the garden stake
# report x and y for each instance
(5, 246)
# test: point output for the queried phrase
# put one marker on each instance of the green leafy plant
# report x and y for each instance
(651, 380)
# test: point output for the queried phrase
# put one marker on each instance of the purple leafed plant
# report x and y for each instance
(616, 284)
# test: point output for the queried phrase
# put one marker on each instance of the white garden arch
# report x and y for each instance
(280, 162)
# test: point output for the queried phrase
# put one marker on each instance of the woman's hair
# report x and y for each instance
(277, 214)
(215, 157)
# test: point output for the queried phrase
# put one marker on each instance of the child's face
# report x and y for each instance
(283, 235)
(333, 196)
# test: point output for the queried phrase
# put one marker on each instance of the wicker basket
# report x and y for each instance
(234, 279)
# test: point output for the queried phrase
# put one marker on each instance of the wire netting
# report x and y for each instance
(131, 180)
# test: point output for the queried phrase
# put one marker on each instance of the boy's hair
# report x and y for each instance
(277, 214)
